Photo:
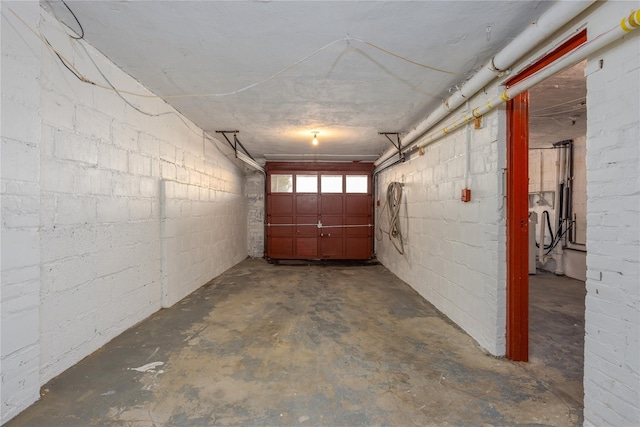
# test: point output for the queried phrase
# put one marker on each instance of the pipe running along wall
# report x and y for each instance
(627, 25)
(550, 21)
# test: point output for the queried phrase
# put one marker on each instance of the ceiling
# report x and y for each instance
(278, 70)
(557, 108)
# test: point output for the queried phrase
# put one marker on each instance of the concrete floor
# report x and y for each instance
(306, 345)
(556, 335)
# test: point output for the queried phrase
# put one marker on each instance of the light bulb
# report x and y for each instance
(315, 137)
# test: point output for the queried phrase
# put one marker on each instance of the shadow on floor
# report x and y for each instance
(317, 346)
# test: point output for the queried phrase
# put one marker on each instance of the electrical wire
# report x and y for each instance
(395, 55)
(84, 79)
(582, 99)
(135, 107)
(81, 35)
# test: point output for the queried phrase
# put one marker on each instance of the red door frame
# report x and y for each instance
(518, 206)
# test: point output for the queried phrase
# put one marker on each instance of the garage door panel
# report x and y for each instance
(358, 204)
(332, 247)
(307, 247)
(307, 226)
(358, 247)
(281, 247)
(332, 225)
(280, 204)
(280, 230)
(363, 228)
(332, 204)
(330, 220)
(306, 204)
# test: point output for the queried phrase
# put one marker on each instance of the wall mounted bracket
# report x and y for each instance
(397, 144)
(236, 142)
(246, 157)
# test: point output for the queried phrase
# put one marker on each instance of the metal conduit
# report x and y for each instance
(549, 22)
(627, 25)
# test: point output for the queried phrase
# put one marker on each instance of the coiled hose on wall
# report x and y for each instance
(393, 203)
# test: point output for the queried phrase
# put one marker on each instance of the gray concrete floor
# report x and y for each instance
(556, 335)
(305, 345)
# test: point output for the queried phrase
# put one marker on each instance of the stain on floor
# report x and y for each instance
(315, 345)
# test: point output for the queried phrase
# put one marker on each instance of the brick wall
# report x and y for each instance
(20, 200)
(454, 251)
(90, 243)
(254, 193)
(203, 233)
(612, 350)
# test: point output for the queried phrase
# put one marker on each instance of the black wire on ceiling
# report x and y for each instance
(65, 62)
(81, 36)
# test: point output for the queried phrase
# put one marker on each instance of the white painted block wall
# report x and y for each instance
(20, 202)
(87, 251)
(203, 233)
(612, 320)
(454, 251)
(255, 193)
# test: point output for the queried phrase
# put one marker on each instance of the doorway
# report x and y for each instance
(517, 175)
(319, 211)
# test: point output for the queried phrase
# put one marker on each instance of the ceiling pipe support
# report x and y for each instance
(397, 144)
(549, 22)
(245, 157)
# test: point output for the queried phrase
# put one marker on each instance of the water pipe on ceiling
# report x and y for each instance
(549, 22)
(627, 25)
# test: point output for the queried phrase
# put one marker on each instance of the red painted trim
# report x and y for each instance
(518, 228)
(518, 206)
(557, 53)
(345, 167)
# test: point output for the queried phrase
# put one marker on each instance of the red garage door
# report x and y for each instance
(319, 211)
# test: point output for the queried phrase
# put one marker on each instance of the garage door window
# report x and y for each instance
(331, 184)
(281, 183)
(357, 183)
(306, 183)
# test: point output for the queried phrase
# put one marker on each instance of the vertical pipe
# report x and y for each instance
(558, 252)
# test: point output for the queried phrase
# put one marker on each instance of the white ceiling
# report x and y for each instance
(557, 108)
(348, 90)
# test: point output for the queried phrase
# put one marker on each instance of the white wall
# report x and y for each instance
(255, 193)
(454, 251)
(20, 199)
(97, 246)
(612, 349)
(441, 260)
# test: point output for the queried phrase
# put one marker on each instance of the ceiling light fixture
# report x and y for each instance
(315, 137)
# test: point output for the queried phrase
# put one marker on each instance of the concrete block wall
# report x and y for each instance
(20, 203)
(197, 244)
(454, 251)
(612, 319)
(84, 255)
(254, 194)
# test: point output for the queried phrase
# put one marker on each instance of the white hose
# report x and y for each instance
(394, 199)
